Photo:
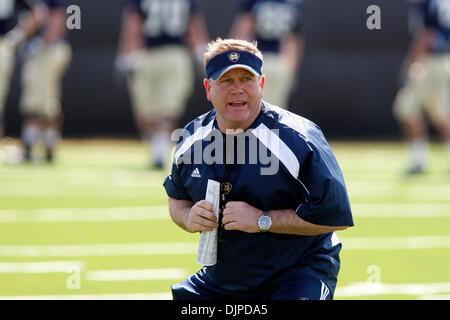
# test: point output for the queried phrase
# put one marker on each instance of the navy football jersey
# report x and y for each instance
(8, 13)
(308, 180)
(165, 21)
(435, 14)
(275, 19)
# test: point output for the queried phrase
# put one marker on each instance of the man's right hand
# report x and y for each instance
(201, 217)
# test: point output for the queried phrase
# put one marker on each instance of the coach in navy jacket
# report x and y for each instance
(283, 195)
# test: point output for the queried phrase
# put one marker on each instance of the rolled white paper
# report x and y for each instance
(207, 247)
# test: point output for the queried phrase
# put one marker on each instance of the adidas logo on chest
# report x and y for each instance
(196, 173)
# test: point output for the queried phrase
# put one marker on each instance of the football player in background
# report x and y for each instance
(427, 80)
(276, 26)
(18, 20)
(154, 53)
(47, 58)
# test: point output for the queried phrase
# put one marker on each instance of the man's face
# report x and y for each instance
(236, 96)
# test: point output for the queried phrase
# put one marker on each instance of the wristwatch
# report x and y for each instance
(264, 221)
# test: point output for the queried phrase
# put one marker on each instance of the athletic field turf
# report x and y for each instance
(96, 225)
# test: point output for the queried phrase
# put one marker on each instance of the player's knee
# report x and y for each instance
(404, 106)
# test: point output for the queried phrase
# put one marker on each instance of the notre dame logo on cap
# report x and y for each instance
(233, 56)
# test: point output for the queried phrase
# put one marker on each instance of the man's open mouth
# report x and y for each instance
(237, 104)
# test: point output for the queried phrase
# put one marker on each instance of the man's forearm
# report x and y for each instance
(179, 211)
(288, 222)
(241, 216)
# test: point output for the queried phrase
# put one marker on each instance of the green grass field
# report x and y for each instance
(96, 225)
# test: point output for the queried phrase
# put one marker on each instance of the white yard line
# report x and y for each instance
(363, 190)
(359, 289)
(95, 275)
(401, 210)
(395, 243)
(86, 250)
(190, 248)
(122, 296)
(136, 274)
(85, 214)
(82, 192)
(40, 267)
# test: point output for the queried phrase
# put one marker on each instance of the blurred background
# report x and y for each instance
(346, 82)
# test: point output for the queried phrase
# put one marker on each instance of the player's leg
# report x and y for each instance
(31, 134)
(154, 120)
(149, 127)
(414, 129)
(443, 127)
(51, 136)
(408, 111)
(6, 67)
(143, 93)
(279, 80)
(33, 93)
(438, 105)
(156, 131)
(160, 140)
(174, 88)
(58, 58)
(170, 78)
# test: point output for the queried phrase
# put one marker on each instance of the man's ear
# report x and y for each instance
(262, 82)
(207, 89)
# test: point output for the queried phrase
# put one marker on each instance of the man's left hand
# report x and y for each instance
(241, 216)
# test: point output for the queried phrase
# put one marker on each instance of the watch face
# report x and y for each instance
(264, 223)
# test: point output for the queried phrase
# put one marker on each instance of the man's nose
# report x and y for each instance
(237, 87)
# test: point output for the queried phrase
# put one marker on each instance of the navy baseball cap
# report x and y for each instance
(229, 60)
